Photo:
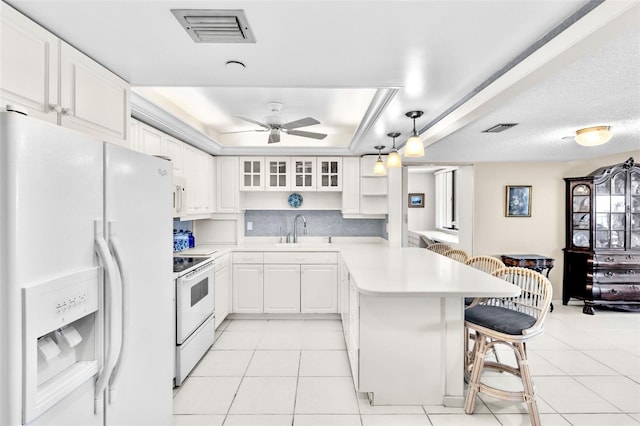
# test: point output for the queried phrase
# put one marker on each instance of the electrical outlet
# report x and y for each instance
(249, 226)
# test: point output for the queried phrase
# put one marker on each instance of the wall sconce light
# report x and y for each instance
(393, 158)
(414, 146)
(593, 136)
(379, 169)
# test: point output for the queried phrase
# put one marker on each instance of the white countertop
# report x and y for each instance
(381, 270)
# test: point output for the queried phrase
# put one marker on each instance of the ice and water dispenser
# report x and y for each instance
(61, 338)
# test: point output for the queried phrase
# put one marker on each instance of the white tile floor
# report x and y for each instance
(295, 372)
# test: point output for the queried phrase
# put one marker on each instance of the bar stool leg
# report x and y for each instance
(480, 345)
(527, 384)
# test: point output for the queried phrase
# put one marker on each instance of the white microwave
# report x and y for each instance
(179, 197)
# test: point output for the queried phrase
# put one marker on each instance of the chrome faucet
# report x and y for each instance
(295, 227)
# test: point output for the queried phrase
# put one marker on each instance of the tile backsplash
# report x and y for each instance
(322, 223)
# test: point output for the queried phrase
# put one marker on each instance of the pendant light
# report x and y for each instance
(593, 136)
(379, 169)
(393, 158)
(414, 146)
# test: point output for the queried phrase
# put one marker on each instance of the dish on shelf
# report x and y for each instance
(295, 200)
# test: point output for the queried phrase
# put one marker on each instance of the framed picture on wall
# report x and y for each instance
(416, 200)
(518, 201)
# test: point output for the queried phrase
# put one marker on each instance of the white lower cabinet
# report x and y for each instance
(285, 282)
(350, 314)
(222, 289)
(318, 289)
(248, 288)
(281, 288)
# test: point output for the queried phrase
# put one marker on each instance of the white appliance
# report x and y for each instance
(195, 317)
(179, 196)
(85, 283)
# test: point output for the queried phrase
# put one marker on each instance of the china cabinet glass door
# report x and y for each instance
(635, 210)
(581, 211)
(610, 205)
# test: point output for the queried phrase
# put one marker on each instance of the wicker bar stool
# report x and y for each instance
(439, 248)
(457, 254)
(511, 322)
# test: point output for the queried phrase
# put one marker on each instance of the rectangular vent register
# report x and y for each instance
(215, 25)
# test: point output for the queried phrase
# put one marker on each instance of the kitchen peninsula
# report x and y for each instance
(402, 316)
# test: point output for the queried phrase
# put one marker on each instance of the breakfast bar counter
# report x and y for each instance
(403, 318)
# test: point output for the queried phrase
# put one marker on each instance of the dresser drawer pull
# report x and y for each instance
(631, 272)
(631, 257)
(609, 259)
(634, 287)
(608, 274)
(613, 291)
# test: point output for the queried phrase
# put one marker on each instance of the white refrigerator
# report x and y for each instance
(86, 328)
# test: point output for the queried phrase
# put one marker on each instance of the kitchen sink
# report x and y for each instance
(305, 245)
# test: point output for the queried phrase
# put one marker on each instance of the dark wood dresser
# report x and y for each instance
(602, 253)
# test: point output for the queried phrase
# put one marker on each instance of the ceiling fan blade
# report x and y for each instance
(274, 137)
(245, 131)
(304, 134)
(303, 122)
(266, 126)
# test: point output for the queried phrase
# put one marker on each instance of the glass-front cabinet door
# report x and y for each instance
(304, 173)
(329, 174)
(634, 193)
(277, 174)
(581, 215)
(251, 173)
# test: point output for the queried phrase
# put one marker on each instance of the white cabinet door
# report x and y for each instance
(248, 288)
(319, 288)
(277, 174)
(281, 288)
(93, 100)
(222, 289)
(329, 174)
(191, 176)
(351, 185)
(29, 58)
(303, 173)
(227, 191)
(174, 149)
(251, 173)
(150, 140)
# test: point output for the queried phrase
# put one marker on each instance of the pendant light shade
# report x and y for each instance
(593, 136)
(414, 146)
(379, 169)
(393, 158)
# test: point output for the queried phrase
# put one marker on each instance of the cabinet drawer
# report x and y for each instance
(301, 257)
(617, 276)
(628, 292)
(604, 259)
(248, 257)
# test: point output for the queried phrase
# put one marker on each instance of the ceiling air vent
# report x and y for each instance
(499, 127)
(215, 25)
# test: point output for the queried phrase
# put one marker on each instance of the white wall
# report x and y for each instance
(421, 219)
(544, 232)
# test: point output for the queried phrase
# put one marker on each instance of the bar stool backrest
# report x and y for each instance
(439, 248)
(486, 264)
(457, 254)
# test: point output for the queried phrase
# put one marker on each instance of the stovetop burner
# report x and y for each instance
(182, 263)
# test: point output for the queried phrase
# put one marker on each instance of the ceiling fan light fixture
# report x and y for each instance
(393, 158)
(378, 168)
(415, 146)
(593, 136)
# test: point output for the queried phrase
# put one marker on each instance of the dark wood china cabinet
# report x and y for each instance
(602, 253)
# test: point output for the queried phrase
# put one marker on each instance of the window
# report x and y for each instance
(446, 214)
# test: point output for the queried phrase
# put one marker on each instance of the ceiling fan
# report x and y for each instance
(274, 125)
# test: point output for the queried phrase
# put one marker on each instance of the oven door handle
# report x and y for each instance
(113, 299)
(114, 245)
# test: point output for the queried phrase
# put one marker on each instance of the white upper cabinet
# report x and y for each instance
(329, 174)
(174, 149)
(149, 140)
(93, 99)
(227, 191)
(351, 185)
(29, 65)
(277, 174)
(251, 173)
(303, 173)
(57, 83)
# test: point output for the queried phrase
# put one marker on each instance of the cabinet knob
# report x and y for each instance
(613, 291)
(55, 107)
(608, 274)
(609, 259)
(66, 111)
(631, 272)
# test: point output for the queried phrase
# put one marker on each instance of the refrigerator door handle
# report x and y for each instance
(114, 245)
(113, 299)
